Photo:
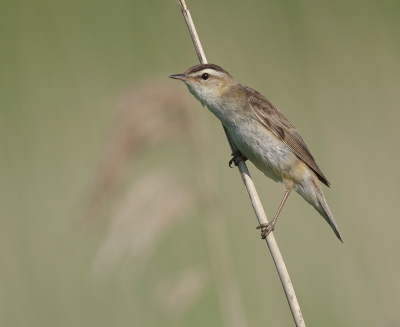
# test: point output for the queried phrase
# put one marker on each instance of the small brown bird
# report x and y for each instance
(262, 134)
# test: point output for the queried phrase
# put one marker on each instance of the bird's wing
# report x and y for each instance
(272, 118)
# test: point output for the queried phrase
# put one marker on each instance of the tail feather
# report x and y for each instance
(326, 213)
(324, 210)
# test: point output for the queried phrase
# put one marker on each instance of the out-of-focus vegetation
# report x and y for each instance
(117, 206)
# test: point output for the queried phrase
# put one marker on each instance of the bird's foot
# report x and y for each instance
(266, 229)
(237, 157)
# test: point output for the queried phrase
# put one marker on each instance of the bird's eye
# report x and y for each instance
(205, 76)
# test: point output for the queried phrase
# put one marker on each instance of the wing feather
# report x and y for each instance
(273, 119)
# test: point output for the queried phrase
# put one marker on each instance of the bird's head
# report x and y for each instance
(207, 82)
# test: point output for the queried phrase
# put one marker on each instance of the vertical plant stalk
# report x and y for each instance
(251, 190)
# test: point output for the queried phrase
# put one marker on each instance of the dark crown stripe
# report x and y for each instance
(198, 68)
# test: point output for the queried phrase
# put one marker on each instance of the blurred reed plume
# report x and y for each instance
(157, 198)
(150, 114)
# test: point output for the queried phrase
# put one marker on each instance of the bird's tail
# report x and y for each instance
(324, 210)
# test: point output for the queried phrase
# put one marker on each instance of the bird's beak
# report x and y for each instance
(181, 77)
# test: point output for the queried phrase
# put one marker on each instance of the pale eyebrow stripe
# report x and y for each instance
(197, 68)
(212, 72)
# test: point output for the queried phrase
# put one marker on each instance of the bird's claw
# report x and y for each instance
(237, 157)
(266, 229)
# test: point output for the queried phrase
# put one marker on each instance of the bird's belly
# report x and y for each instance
(264, 150)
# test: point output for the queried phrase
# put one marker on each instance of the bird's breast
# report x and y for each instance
(262, 147)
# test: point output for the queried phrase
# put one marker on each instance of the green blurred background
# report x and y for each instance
(169, 238)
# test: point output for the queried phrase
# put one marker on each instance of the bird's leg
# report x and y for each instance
(269, 227)
(237, 157)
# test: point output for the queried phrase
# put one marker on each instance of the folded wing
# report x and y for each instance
(273, 119)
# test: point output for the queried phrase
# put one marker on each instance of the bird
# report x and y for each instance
(263, 135)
